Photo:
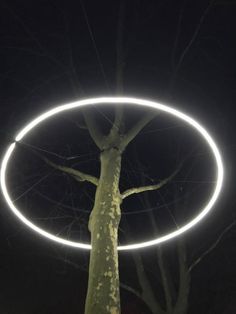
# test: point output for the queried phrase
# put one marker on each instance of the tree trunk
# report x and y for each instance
(103, 285)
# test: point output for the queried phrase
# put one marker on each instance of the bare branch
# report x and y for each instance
(76, 174)
(147, 292)
(71, 263)
(190, 43)
(60, 203)
(93, 128)
(168, 285)
(131, 289)
(120, 50)
(184, 278)
(80, 124)
(178, 29)
(195, 33)
(92, 37)
(149, 187)
(130, 135)
(118, 125)
(162, 265)
(212, 247)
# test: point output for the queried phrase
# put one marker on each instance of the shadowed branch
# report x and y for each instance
(212, 247)
(147, 294)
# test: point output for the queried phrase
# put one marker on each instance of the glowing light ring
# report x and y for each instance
(116, 100)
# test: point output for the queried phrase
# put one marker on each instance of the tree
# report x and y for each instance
(103, 285)
(108, 198)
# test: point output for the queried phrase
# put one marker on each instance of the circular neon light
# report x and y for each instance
(115, 100)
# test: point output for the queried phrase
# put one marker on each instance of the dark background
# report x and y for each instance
(54, 52)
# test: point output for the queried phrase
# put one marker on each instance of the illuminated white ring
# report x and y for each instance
(116, 100)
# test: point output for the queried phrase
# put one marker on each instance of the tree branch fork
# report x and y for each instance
(114, 140)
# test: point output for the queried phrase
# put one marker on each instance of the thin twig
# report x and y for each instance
(212, 247)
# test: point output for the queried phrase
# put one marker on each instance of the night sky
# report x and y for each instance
(180, 53)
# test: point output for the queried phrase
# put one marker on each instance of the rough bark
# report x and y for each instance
(103, 286)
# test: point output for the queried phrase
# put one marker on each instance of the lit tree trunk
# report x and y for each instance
(103, 286)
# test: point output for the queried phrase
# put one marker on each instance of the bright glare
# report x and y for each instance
(116, 100)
